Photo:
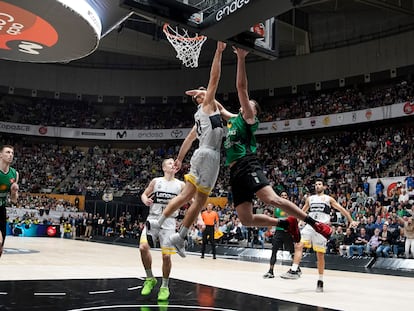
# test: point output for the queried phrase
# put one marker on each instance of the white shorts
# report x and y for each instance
(312, 239)
(204, 170)
(164, 235)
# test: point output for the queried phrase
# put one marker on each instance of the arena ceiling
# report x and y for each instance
(311, 26)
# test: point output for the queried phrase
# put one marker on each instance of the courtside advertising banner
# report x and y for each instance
(353, 118)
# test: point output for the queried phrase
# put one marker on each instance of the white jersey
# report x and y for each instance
(164, 191)
(210, 130)
(320, 208)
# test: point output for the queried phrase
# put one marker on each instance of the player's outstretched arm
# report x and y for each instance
(146, 195)
(185, 146)
(215, 73)
(242, 86)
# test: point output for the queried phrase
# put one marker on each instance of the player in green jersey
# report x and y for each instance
(9, 178)
(281, 240)
(247, 178)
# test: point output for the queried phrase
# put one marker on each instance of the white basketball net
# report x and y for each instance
(187, 48)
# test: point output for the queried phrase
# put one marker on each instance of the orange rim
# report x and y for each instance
(167, 33)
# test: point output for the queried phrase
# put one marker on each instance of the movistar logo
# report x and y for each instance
(230, 8)
(121, 134)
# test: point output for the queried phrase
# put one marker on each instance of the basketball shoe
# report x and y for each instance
(268, 275)
(164, 293)
(153, 226)
(319, 286)
(291, 275)
(179, 244)
(148, 286)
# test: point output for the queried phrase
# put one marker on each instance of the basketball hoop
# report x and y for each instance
(187, 48)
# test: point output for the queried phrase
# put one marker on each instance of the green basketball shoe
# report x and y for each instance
(148, 286)
(163, 294)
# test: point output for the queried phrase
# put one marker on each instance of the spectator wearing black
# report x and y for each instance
(349, 239)
(398, 246)
(360, 244)
(386, 239)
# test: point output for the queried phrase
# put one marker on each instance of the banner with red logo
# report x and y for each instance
(349, 119)
(55, 30)
(390, 184)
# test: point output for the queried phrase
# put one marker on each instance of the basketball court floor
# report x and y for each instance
(60, 274)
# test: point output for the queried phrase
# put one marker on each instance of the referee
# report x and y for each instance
(211, 221)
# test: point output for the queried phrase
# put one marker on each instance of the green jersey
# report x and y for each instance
(240, 140)
(6, 180)
(281, 214)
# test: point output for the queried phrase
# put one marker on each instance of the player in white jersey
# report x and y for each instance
(205, 162)
(157, 195)
(319, 207)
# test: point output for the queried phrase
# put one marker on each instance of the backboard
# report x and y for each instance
(250, 24)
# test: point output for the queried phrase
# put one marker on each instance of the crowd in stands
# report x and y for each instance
(376, 236)
(83, 114)
(337, 101)
(45, 166)
(344, 157)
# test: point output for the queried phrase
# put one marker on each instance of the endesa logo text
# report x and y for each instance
(230, 8)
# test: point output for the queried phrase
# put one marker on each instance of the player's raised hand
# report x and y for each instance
(240, 52)
(177, 165)
(221, 46)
